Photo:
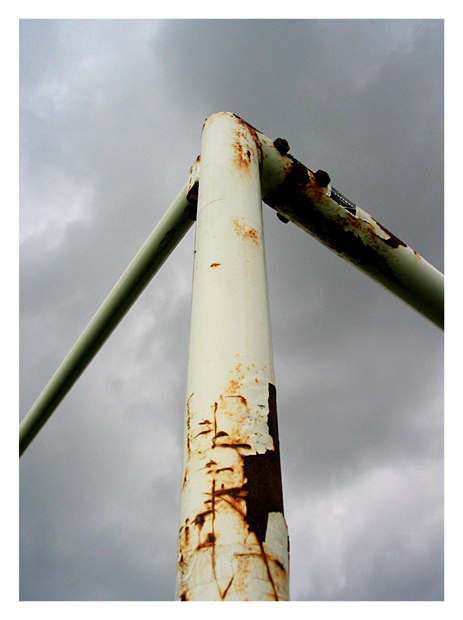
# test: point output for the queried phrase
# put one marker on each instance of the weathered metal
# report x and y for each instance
(233, 541)
(171, 229)
(308, 200)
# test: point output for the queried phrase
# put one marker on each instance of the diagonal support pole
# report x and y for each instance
(171, 229)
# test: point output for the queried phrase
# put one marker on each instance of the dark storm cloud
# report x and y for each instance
(111, 117)
(357, 96)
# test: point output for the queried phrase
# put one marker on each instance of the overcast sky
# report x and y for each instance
(110, 122)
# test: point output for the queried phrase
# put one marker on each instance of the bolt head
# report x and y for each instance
(281, 146)
(322, 178)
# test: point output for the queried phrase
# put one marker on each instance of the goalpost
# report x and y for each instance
(233, 540)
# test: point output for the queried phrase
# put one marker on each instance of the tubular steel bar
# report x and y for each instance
(233, 540)
(308, 200)
(170, 230)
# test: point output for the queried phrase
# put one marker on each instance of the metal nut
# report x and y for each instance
(281, 146)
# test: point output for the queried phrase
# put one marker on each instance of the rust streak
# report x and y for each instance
(188, 422)
(234, 506)
(245, 232)
(215, 425)
(203, 433)
(228, 587)
(243, 155)
(242, 489)
(279, 564)
(233, 492)
(264, 557)
(241, 398)
(254, 133)
(199, 520)
(212, 538)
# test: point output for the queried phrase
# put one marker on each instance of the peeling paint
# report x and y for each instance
(302, 200)
(233, 539)
(308, 200)
(391, 239)
(235, 460)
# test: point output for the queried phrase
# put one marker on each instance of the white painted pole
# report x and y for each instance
(233, 541)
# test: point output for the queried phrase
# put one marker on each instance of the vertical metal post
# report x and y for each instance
(233, 540)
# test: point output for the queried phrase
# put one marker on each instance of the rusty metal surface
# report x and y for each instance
(233, 540)
(232, 536)
(353, 234)
(307, 199)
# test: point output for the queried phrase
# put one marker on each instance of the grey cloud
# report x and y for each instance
(111, 117)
